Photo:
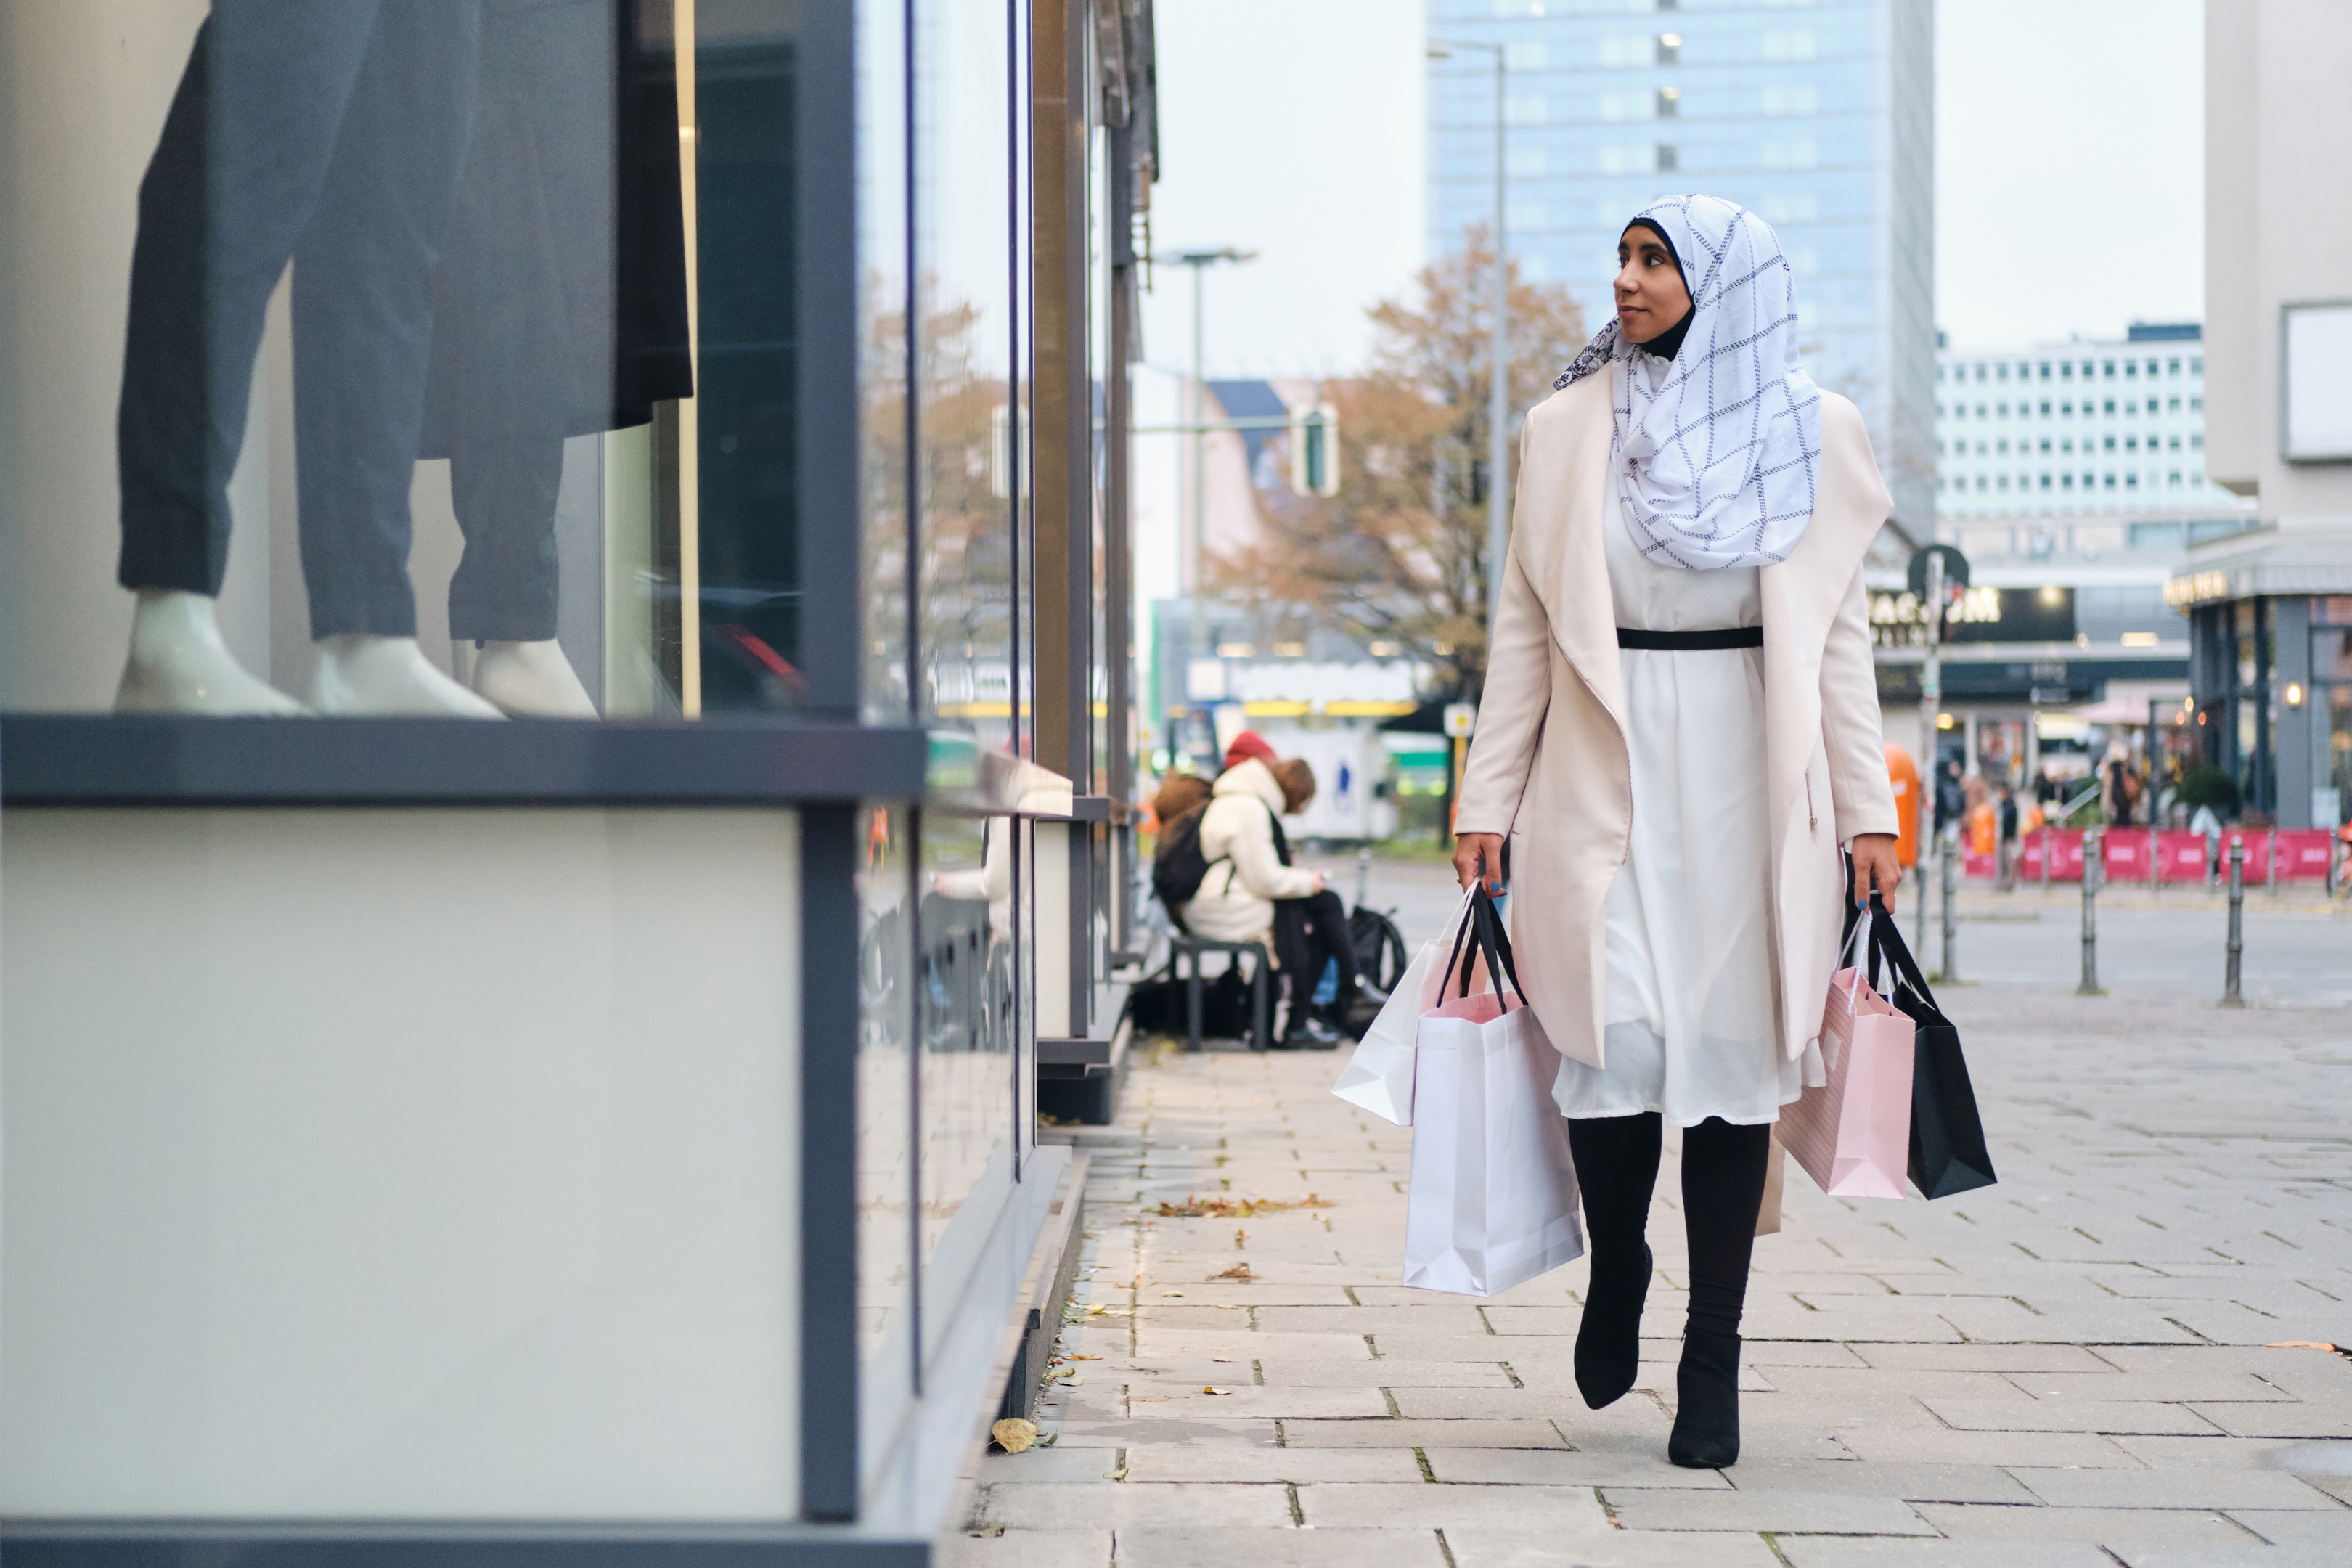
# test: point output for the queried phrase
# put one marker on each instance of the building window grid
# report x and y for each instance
(2062, 368)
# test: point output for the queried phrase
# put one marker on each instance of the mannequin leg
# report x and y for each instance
(236, 176)
(234, 181)
(505, 491)
(1616, 1171)
(1723, 1188)
(363, 313)
(503, 594)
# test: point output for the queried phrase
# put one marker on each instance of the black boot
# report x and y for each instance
(1707, 1410)
(1609, 1340)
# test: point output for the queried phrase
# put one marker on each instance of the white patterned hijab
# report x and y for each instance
(1720, 463)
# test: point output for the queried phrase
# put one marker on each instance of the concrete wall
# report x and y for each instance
(2277, 121)
(400, 1164)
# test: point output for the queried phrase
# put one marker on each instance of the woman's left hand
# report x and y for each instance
(1875, 868)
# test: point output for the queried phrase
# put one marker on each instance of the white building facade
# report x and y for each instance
(2087, 427)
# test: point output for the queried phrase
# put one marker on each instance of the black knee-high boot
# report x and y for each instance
(1723, 1187)
(1616, 1170)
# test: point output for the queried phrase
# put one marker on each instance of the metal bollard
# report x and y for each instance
(2154, 865)
(2045, 861)
(2233, 995)
(2271, 863)
(2094, 866)
(1363, 874)
(1951, 962)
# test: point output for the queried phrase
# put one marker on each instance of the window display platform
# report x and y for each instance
(76, 760)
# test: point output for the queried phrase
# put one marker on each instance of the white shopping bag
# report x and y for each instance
(1379, 1076)
(1492, 1201)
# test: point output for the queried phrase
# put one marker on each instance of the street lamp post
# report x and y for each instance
(1199, 261)
(1498, 468)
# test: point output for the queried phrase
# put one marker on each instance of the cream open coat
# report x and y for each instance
(1547, 763)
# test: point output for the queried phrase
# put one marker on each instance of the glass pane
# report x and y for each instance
(886, 1120)
(352, 360)
(2331, 656)
(967, 991)
(738, 502)
(965, 472)
(2339, 751)
(965, 347)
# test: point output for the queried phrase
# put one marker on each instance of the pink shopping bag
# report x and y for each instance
(1851, 1133)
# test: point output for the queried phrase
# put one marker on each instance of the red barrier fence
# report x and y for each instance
(2302, 856)
(2180, 856)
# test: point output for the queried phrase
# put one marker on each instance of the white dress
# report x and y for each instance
(1688, 1027)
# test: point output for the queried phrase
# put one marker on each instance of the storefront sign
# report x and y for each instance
(1978, 615)
(2196, 588)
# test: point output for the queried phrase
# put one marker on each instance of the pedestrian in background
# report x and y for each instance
(1249, 871)
(1310, 937)
(1680, 727)
(2005, 872)
(1952, 800)
(2117, 788)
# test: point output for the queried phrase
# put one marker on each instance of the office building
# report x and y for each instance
(2084, 426)
(1818, 117)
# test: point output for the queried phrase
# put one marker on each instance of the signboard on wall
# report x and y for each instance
(1898, 619)
(2316, 339)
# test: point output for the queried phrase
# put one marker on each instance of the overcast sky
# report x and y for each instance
(2070, 178)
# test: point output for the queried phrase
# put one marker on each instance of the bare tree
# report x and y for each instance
(1399, 554)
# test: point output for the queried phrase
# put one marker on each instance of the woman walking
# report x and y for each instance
(1679, 730)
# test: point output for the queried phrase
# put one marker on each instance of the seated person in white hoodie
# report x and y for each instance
(1250, 873)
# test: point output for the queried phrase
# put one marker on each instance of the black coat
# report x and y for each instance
(560, 302)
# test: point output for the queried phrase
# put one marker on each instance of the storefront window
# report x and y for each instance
(942, 464)
(967, 471)
(424, 359)
(2339, 750)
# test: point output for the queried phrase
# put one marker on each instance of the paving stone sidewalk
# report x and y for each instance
(2068, 1368)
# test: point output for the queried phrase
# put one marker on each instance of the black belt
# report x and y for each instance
(1717, 637)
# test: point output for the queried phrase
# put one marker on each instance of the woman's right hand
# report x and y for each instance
(1476, 855)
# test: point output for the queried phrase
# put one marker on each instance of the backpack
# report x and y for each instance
(1177, 867)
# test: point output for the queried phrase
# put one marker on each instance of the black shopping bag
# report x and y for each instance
(1947, 1139)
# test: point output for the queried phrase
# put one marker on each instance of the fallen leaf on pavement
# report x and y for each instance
(1194, 1207)
(1013, 1435)
(1118, 1475)
(1238, 1272)
(1085, 1358)
(1178, 1293)
(1207, 1390)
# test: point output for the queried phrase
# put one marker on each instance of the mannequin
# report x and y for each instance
(559, 310)
(442, 174)
(331, 136)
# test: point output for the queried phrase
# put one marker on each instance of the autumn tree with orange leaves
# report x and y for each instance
(1399, 554)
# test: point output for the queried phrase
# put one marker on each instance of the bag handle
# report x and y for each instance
(1500, 943)
(1480, 929)
(1887, 937)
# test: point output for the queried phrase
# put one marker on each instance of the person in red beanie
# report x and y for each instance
(1251, 746)
(1252, 893)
